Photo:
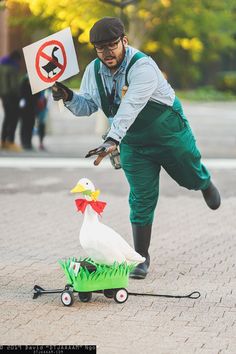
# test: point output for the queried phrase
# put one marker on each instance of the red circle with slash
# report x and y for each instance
(42, 54)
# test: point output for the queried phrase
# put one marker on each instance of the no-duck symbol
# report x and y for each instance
(49, 71)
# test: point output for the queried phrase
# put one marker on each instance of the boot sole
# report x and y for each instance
(137, 276)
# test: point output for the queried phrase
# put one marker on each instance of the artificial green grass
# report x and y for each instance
(105, 277)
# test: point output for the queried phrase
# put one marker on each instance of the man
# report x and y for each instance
(147, 123)
(9, 93)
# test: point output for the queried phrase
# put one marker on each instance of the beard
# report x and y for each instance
(118, 58)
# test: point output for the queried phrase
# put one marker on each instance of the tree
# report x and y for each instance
(80, 15)
(190, 44)
(189, 40)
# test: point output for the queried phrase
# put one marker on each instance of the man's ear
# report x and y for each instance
(125, 41)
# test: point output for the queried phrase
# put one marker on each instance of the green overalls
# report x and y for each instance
(159, 137)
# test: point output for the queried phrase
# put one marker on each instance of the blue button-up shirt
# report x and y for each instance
(146, 82)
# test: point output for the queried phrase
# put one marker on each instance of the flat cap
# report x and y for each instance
(106, 29)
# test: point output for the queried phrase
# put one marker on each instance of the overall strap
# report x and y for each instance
(101, 90)
(133, 60)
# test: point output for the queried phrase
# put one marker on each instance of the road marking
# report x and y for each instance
(46, 181)
(222, 164)
(42, 162)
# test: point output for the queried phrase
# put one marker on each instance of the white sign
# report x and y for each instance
(75, 266)
(51, 59)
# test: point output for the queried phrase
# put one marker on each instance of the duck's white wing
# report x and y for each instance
(104, 242)
(105, 256)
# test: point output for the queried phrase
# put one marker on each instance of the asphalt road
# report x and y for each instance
(214, 126)
(46, 180)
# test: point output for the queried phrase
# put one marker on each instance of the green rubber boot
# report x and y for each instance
(141, 238)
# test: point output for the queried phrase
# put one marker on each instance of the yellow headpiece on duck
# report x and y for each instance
(86, 187)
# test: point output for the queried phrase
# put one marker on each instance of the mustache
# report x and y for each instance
(109, 57)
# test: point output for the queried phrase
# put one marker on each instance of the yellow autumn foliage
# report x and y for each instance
(144, 14)
(80, 15)
(192, 44)
(166, 3)
(151, 46)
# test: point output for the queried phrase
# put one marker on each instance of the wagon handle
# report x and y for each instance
(38, 290)
(193, 295)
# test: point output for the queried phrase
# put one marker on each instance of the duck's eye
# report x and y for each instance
(86, 182)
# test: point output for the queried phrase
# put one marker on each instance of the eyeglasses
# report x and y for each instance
(109, 46)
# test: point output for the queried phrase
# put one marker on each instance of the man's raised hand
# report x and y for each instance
(61, 92)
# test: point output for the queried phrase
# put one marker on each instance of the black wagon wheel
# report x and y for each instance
(67, 298)
(85, 296)
(109, 293)
(121, 295)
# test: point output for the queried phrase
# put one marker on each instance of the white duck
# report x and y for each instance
(101, 243)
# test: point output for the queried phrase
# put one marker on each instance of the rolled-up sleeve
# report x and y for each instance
(143, 81)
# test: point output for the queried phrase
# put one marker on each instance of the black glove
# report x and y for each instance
(103, 150)
(105, 147)
(61, 92)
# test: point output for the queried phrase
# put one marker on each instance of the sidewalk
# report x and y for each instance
(192, 249)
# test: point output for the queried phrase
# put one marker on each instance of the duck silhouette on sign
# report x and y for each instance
(52, 64)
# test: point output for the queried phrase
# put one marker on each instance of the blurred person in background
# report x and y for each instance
(9, 93)
(41, 116)
(33, 110)
(27, 105)
(147, 123)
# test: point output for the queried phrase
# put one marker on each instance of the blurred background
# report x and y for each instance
(193, 43)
